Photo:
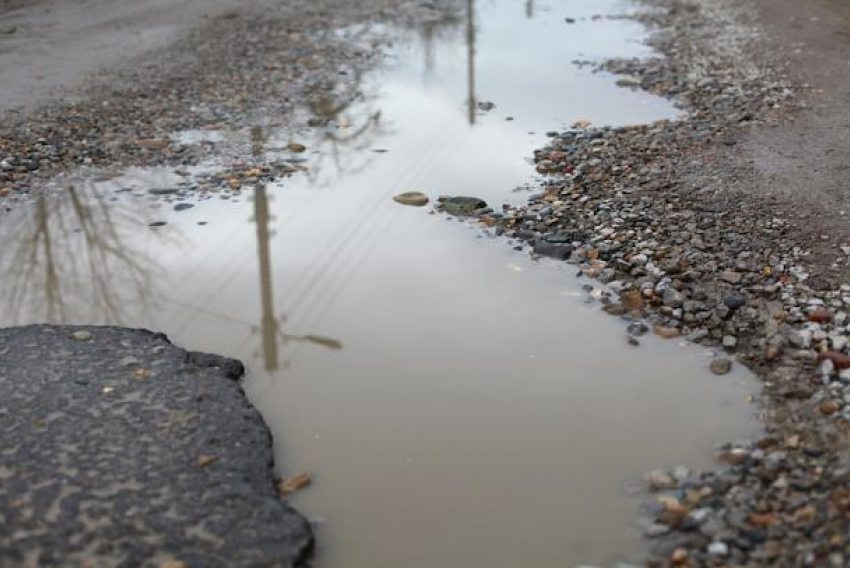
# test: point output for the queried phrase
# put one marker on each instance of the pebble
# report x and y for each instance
(412, 198)
(721, 366)
(718, 548)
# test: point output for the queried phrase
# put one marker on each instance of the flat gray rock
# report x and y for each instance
(120, 448)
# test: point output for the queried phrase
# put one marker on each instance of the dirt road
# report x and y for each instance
(805, 162)
(47, 48)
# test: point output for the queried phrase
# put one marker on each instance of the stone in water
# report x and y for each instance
(412, 198)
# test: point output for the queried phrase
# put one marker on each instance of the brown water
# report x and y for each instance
(458, 404)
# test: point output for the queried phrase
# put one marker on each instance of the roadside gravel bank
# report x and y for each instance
(175, 470)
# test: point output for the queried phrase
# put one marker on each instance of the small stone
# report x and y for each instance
(718, 548)
(679, 557)
(637, 328)
(666, 332)
(486, 106)
(204, 460)
(820, 316)
(729, 342)
(655, 530)
(141, 373)
(412, 198)
(183, 206)
(829, 407)
(720, 366)
(81, 335)
(839, 360)
(772, 352)
(731, 276)
(615, 309)
(157, 224)
(296, 148)
(294, 483)
(734, 302)
(671, 298)
(463, 206)
(633, 300)
(660, 480)
(553, 250)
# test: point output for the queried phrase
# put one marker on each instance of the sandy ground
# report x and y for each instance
(47, 48)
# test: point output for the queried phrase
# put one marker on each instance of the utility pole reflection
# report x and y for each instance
(529, 9)
(271, 331)
(470, 56)
(261, 217)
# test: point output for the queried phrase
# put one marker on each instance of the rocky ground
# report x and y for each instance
(175, 470)
(726, 227)
(702, 228)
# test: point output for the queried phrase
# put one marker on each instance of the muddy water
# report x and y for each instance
(458, 403)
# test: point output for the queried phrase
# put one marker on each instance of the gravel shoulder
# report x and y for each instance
(134, 452)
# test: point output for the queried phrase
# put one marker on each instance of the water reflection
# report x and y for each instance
(75, 243)
(470, 59)
(352, 125)
(272, 332)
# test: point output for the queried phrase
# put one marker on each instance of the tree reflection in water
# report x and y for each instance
(69, 258)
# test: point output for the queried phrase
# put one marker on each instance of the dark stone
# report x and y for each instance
(463, 206)
(554, 250)
(183, 206)
(734, 302)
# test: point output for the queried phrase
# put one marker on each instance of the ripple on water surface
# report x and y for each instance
(458, 403)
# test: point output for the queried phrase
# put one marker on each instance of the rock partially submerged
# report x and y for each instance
(463, 206)
(720, 366)
(412, 198)
(123, 449)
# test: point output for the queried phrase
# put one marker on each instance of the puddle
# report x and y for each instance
(457, 403)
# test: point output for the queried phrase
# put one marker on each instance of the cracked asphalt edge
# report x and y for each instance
(124, 448)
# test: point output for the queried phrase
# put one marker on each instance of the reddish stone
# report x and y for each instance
(840, 360)
(820, 316)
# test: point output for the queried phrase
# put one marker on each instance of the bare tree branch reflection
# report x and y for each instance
(68, 259)
(351, 126)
